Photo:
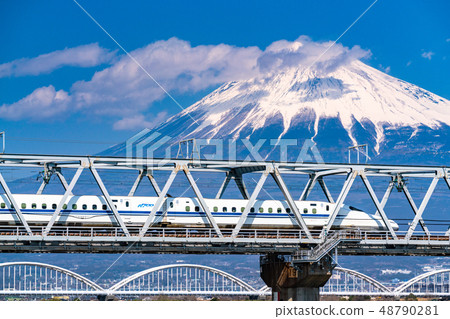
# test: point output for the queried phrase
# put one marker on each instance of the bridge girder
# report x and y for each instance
(316, 171)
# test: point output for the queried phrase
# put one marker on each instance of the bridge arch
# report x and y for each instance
(348, 281)
(265, 290)
(437, 281)
(40, 278)
(183, 279)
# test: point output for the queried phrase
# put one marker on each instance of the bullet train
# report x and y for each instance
(182, 212)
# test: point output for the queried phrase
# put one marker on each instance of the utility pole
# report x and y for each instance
(363, 149)
(3, 134)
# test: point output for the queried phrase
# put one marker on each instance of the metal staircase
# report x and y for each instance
(322, 249)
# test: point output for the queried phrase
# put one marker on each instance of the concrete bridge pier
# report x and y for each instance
(298, 282)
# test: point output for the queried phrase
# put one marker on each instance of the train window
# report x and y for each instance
(188, 208)
(115, 200)
(127, 204)
(314, 211)
(3, 205)
(94, 207)
(224, 209)
(279, 210)
(44, 206)
(216, 209)
(261, 210)
(65, 206)
(270, 209)
(74, 206)
(54, 206)
(24, 206)
(288, 210)
(305, 211)
(242, 209)
(84, 206)
(313, 204)
(252, 209)
(170, 205)
(233, 209)
(33, 205)
(197, 209)
(104, 207)
(328, 207)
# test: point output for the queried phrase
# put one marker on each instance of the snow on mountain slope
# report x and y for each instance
(356, 93)
(352, 104)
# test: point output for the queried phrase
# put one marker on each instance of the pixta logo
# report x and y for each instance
(147, 145)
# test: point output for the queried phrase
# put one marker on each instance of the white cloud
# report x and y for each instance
(82, 56)
(175, 64)
(384, 69)
(139, 122)
(179, 67)
(124, 91)
(43, 103)
(307, 53)
(427, 55)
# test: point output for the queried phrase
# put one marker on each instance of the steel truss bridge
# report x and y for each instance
(121, 237)
(38, 279)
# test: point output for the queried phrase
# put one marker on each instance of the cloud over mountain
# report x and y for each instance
(123, 90)
(322, 57)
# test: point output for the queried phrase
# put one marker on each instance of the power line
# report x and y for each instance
(32, 139)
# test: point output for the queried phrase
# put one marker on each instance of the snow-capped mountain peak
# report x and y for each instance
(355, 93)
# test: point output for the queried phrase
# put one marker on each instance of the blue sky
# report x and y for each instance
(61, 90)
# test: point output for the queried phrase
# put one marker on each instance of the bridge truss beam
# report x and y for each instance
(250, 203)
(14, 205)
(63, 200)
(160, 200)
(200, 198)
(237, 177)
(281, 184)
(239, 239)
(108, 199)
(137, 182)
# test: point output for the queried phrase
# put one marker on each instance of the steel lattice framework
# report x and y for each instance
(436, 282)
(350, 282)
(347, 282)
(32, 278)
(24, 278)
(214, 239)
(181, 279)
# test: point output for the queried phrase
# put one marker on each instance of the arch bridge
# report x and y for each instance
(39, 279)
(183, 279)
(25, 278)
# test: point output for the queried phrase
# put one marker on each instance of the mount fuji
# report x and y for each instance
(354, 104)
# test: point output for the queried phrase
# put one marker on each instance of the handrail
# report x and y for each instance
(192, 234)
(325, 247)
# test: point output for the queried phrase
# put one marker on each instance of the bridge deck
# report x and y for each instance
(198, 240)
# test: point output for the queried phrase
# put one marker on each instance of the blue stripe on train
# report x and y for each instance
(173, 214)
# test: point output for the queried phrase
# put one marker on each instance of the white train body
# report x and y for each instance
(182, 212)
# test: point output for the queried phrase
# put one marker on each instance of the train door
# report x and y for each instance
(164, 212)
